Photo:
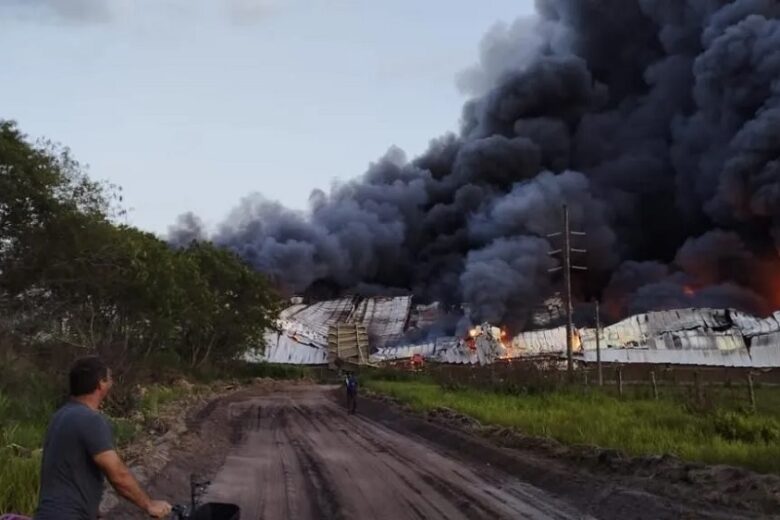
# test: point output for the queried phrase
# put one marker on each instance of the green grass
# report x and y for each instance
(638, 426)
(27, 399)
(19, 482)
(23, 419)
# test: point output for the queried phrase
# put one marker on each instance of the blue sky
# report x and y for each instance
(190, 105)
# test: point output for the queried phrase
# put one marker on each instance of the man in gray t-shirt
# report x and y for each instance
(71, 481)
(79, 451)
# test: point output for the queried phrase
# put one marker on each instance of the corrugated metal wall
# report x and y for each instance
(718, 337)
(713, 337)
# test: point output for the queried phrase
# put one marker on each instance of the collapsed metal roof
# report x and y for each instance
(303, 329)
(722, 337)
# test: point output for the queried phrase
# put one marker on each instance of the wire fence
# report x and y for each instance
(697, 385)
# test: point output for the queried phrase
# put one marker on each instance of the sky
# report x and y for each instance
(190, 105)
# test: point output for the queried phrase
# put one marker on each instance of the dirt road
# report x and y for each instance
(299, 456)
(289, 451)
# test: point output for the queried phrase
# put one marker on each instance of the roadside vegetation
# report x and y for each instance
(723, 433)
(75, 281)
(28, 397)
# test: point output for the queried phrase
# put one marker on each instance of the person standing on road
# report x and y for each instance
(79, 450)
(352, 388)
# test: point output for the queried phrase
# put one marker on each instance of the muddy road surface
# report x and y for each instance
(284, 451)
(298, 455)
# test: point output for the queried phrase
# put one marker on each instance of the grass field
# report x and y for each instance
(639, 426)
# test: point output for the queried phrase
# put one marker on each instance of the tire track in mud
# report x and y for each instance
(520, 500)
(317, 421)
(317, 480)
(322, 422)
(463, 494)
(379, 448)
(310, 421)
(299, 456)
(470, 496)
(290, 489)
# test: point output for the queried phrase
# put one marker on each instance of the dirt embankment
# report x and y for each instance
(283, 450)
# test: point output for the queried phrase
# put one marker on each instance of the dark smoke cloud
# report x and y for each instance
(508, 48)
(655, 121)
(503, 276)
(711, 270)
(627, 279)
(188, 228)
(534, 208)
(671, 295)
(717, 256)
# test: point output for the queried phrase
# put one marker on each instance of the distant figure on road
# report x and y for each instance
(352, 388)
(79, 450)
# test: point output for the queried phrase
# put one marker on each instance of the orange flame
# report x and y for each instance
(688, 290)
(576, 343)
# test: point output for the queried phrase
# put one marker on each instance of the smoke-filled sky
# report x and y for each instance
(656, 121)
(191, 104)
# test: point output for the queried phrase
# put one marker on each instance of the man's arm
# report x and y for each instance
(127, 486)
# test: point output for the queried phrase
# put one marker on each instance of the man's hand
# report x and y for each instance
(158, 509)
(127, 486)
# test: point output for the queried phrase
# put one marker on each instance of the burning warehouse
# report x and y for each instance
(655, 122)
(720, 337)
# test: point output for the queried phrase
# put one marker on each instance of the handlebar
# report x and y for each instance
(208, 511)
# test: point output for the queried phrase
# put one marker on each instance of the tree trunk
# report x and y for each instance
(208, 351)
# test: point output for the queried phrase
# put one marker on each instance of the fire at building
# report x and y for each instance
(721, 337)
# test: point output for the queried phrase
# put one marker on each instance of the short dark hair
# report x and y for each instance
(85, 375)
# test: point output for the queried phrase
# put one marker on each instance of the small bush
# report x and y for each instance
(125, 430)
(735, 426)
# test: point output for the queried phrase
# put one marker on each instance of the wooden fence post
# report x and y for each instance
(697, 387)
(751, 391)
(598, 346)
(620, 380)
(655, 387)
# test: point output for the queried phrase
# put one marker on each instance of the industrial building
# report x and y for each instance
(715, 337)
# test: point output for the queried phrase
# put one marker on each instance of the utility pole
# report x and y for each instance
(567, 268)
(598, 345)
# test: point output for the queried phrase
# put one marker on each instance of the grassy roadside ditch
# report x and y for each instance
(726, 434)
(28, 397)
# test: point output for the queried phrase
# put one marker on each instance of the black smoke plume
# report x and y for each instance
(656, 121)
